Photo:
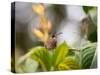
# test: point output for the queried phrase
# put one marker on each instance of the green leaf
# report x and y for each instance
(28, 66)
(75, 53)
(69, 63)
(88, 56)
(60, 53)
(43, 57)
(87, 8)
(27, 55)
(21, 62)
(93, 15)
(94, 62)
(39, 54)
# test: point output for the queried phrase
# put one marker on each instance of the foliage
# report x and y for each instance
(88, 56)
(86, 8)
(61, 58)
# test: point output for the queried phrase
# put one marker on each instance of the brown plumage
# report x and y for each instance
(51, 43)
